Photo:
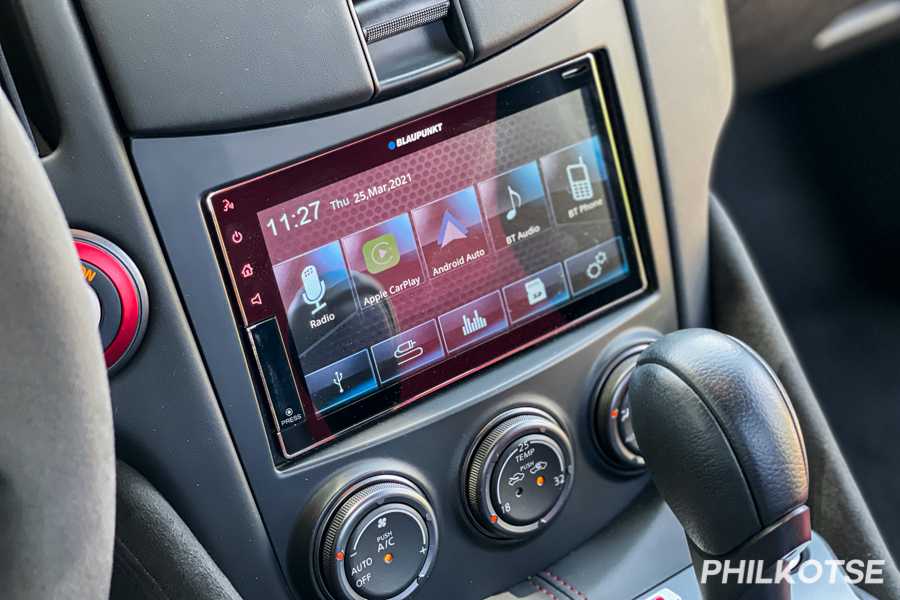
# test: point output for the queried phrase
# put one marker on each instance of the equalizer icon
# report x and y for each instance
(474, 323)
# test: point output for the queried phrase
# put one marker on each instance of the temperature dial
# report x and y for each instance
(380, 542)
(519, 474)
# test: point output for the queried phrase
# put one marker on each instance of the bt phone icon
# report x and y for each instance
(579, 181)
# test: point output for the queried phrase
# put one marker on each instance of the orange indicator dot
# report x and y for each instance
(539, 480)
(339, 555)
(614, 413)
(493, 518)
(388, 558)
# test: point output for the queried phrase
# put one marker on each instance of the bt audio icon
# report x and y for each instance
(313, 288)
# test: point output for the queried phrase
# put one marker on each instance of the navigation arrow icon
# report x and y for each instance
(451, 229)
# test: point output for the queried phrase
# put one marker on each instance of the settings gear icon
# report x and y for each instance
(595, 268)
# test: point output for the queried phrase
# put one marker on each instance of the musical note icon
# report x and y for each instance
(515, 200)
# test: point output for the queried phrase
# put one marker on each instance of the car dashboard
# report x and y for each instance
(375, 274)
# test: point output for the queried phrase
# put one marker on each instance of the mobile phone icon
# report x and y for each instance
(580, 185)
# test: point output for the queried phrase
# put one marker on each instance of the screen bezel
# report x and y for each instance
(587, 71)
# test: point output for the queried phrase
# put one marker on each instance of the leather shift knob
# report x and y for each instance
(720, 438)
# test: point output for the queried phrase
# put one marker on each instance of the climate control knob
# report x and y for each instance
(380, 541)
(519, 474)
(612, 416)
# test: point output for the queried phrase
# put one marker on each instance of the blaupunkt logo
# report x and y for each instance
(415, 136)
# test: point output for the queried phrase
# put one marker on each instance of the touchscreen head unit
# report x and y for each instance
(376, 273)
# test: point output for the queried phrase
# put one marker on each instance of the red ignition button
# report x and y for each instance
(120, 293)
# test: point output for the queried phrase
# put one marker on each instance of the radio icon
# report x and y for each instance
(313, 288)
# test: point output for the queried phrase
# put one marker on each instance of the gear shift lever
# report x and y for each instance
(723, 444)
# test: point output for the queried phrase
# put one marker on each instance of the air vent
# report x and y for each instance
(398, 23)
(411, 42)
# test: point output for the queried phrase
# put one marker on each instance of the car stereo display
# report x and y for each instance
(373, 274)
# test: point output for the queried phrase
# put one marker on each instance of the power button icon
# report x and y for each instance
(237, 237)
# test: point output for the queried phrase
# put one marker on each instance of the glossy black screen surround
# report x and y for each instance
(244, 217)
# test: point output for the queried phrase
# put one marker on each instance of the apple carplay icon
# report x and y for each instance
(386, 255)
(381, 253)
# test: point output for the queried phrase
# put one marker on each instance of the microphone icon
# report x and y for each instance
(313, 288)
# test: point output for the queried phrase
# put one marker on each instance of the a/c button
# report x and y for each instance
(387, 551)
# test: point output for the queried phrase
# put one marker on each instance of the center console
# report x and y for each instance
(386, 269)
(408, 310)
